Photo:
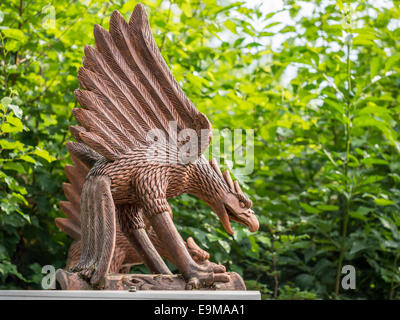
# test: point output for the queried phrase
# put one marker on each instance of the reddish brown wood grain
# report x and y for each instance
(117, 209)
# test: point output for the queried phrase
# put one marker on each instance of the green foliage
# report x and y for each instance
(323, 106)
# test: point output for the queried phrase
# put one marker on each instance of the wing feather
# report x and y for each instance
(117, 105)
(91, 123)
(128, 90)
(70, 211)
(124, 39)
(150, 56)
(74, 176)
(92, 102)
(81, 154)
(69, 227)
(72, 195)
(143, 104)
(122, 86)
(96, 143)
(75, 131)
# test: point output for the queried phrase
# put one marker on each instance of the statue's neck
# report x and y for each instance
(204, 182)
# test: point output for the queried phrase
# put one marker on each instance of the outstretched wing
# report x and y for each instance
(128, 90)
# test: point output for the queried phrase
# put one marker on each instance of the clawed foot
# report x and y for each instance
(206, 276)
(205, 273)
(201, 256)
(214, 266)
(197, 253)
(84, 271)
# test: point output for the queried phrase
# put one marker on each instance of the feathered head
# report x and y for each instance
(230, 203)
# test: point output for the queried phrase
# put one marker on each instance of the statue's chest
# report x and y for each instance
(178, 179)
(133, 179)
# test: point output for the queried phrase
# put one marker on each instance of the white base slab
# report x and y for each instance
(125, 295)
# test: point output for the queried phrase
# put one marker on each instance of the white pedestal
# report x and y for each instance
(126, 295)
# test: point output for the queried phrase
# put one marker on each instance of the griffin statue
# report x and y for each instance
(140, 141)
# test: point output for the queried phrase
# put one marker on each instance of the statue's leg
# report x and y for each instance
(133, 227)
(196, 275)
(98, 228)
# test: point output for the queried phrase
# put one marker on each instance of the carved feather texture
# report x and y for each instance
(214, 165)
(228, 179)
(81, 152)
(128, 90)
(76, 174)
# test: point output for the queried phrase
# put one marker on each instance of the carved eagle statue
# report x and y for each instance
(143, 140)
(125, 254)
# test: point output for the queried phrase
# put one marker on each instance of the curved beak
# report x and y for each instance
(247, 218)
(252, 222)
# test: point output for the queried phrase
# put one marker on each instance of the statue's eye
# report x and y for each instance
(241, 203)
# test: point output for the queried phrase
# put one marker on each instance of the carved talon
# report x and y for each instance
(200, 282)
(202, 257)
(192, 284)
(206, 280)
(83, 271)
(77, 268)
(195, 251)
(212, 266)
(217, 268)
(206, 276)
(86, 273)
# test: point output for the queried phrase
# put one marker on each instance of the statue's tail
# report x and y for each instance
(83, 159)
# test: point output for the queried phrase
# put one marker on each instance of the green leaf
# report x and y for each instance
(392, 61)
(231, 26)
(225, 245)
(253, 243)
(44, 154)
(8, 128)
(7, 268)
(305, 280)
(383, 202)
(308, 208)
(19, 198)
(15, 166)
(264, 240)
(363, 41)
(374, 66)
(357, 215)
(12, 45)
(327, 207)
(27, 158)
(14, 145)
(187, 9)
(358, 246)
(14, 34)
